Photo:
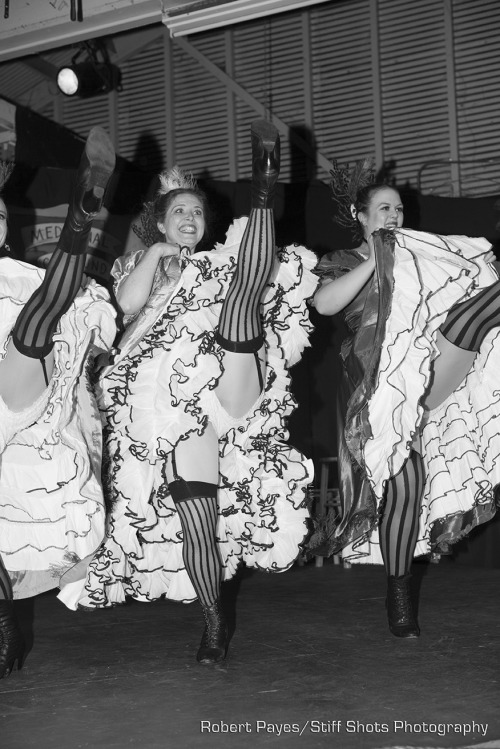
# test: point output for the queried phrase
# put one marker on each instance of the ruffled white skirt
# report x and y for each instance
(161, 388)
(51, 501)
(461, 438)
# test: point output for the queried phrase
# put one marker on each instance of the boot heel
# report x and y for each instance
(265, 163)
(100, 155)
(266, 133)
(17, 656)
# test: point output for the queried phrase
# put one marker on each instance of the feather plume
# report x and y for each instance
(345, 183)
(176, 179)
(6, 169)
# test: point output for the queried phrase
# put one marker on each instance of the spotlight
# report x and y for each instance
(91, 77)
(88, 79)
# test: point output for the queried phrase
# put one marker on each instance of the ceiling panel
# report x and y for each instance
(33, 27)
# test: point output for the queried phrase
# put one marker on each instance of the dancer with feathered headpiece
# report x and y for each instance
(345, 183)
(419, 386)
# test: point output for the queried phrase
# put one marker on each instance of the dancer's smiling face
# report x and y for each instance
(184, 222)
(384, 211)
(3, 223)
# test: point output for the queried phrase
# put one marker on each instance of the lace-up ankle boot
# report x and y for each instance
(402, 621)
(11, 639)
(214, 642)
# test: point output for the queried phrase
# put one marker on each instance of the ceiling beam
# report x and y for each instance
(38, 27)
(201, 15)
(128, 45)
(47, 69)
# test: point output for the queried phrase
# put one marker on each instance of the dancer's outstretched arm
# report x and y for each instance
(335, 294)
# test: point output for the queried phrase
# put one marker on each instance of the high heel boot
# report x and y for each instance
(11, 639)
(214, 642)
(402, 621)
(96, 167)
(265, 163)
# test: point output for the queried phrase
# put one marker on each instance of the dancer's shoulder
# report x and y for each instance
(339, 262)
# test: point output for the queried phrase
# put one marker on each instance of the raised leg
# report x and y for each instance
(240, 331)
(468, 323)
(27, 367)
(459, 340)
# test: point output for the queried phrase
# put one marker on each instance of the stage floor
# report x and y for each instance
(311, 664)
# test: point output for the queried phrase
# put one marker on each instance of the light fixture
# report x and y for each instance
(196, 16)
(91, 77)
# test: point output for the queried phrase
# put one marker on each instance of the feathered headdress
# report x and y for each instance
(6, 169)
(176, 179)
(171, 179)
(345, 183)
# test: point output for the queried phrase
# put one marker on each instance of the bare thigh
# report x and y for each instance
(197, 458)
(21, 378)
(449, 370)
(239, 386)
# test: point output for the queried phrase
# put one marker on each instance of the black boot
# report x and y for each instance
(11, 640)
(265, 163)
(402, 621)
(96, 167)
(214, 642)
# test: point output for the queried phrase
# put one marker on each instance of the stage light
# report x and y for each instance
(91, 77)
(88, 79)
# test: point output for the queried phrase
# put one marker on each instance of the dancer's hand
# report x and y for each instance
(134, 291)
(371, 251)
(165, 249)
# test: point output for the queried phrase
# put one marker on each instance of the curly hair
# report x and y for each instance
(173, 182)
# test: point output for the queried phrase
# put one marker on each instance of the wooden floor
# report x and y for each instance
(311, 664)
